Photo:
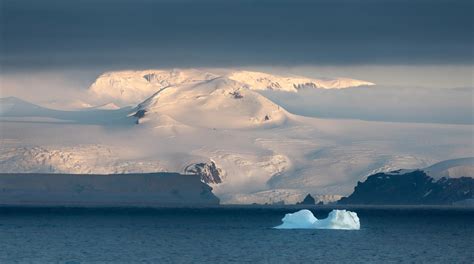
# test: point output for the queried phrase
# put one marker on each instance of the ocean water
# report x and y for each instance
(231, 235)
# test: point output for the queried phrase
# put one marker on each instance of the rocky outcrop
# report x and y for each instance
(308, 200)
(236, 95)
(139, 115)
(304, 85)
(410, 188)
(209, 173)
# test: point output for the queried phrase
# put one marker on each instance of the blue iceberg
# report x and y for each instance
(337, 219)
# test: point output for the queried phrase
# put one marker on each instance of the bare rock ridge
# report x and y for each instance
(411, 188)
(209, 173)
(134, 189)
(309, 200)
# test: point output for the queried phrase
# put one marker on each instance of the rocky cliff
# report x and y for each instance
(146, 189)
(410, 188)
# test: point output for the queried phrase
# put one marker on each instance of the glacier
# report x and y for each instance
(337, 219)
(179, 118)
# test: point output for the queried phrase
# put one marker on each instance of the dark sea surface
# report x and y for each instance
(231, 235)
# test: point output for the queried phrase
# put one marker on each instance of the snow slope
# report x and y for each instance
(13, 107)
(265, 81)
(217, 103)
(131, 87)
(10, 106)
(454, 168)
(266, 154)
(83, 159)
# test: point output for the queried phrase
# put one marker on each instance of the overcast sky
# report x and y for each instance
(59, 34)
(52, 50)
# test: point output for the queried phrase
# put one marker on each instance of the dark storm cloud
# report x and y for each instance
(37, 34)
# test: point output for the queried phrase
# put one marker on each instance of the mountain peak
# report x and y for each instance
(217, 103)
(131, 87)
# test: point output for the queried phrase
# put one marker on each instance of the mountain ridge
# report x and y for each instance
(131, 87)
(262, 152)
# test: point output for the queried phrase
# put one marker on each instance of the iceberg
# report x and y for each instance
(337, 219)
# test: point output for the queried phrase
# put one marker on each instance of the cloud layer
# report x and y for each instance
(143, 33)
(382, 103)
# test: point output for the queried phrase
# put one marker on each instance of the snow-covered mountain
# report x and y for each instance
(264, 81)
(14, 106)
(263, 153)
(217, 103)
(132, 87)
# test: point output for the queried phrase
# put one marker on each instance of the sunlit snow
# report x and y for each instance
(266, 153)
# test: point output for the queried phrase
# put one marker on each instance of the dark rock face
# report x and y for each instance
(236, 95)
(208, 172)
(304, 85)
(139, 114)
(409, 189)
(308, 200)
(151, 77)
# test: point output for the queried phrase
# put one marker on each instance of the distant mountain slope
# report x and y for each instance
(265, 81)
(13, 106)
(132, 87)
(16, 108)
